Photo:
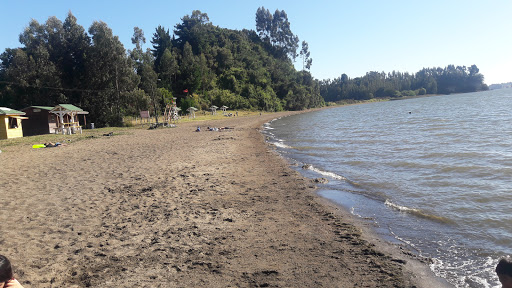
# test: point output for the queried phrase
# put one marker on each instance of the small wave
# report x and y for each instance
(267, 126)
(417, 212)
(325, 173)
(281, 145)
(275, 119)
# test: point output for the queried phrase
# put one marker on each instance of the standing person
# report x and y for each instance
(504, 271)
(6, 275)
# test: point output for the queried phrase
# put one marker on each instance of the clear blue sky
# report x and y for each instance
(351, 37)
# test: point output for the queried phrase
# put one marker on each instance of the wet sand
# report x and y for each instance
(177, 208)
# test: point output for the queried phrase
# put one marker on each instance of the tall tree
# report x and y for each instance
(76, 45)
(276, 29)
(161, 41)
(188, 29)
(149, 80)
(137, 54)
(190, 73)
(168, 68)
(264, 23)
(112, 77)
(305, 54)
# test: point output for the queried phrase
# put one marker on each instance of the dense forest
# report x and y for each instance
(460, 79)
(198, 63)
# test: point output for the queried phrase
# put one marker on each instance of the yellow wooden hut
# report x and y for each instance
(10, 123)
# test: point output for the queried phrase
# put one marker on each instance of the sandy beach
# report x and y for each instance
(177, 208)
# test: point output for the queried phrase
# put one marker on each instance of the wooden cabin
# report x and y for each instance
(10, 123)
(40, 120)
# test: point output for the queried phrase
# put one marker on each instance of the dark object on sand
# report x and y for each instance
(306, 166)
(320, 180)
(109, 134)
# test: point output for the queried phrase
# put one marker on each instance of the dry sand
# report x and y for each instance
(175, 208)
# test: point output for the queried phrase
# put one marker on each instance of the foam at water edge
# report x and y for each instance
(417, 212)
(473, 274)
(325, 173)
(267, 126)
(281, 145)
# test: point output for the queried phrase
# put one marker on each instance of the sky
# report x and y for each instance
(344, 36)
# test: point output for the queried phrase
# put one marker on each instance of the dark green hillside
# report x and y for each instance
(198, 63)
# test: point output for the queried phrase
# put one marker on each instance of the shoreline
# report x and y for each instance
(176, 208)
(416, 269)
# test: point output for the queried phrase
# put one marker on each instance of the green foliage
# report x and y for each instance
(305, 54)
(408, 93)
(138, 101)
(229, 99)
(166, 96)
(275, 30)
(187, 103)
(161, 41)
(62, 63)
(451, 79)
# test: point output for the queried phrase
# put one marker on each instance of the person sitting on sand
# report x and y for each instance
(504, 271)
(6, 276)
(198, 129)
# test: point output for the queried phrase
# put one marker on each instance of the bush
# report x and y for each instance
(385, 92)
(408, 93)
(187, 103)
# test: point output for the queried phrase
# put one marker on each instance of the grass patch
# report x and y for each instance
(41, 139)
(98, 132)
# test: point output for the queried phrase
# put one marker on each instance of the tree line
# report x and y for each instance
(451, 79)
(198, 63)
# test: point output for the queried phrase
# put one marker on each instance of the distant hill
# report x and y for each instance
(500, 86)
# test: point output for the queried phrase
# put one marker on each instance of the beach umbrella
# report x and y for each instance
(192, 112)
(214, 109)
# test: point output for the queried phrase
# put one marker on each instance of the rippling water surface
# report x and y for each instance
(434, 173)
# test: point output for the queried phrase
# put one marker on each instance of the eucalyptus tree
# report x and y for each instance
(32, 67)
(110, 75)
(305, 54)
(75, 43)
(149, 79)
(275, 29)
(137, 54)
(168, 69)
(189, 70)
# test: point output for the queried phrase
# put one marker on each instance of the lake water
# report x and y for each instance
(431, 173)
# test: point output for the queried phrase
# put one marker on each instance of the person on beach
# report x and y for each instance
(6, 275)
(504, 271)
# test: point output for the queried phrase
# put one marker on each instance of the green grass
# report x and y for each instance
(41, 139)
(98, 132)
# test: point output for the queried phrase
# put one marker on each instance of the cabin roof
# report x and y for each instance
(9, 111)
(70, 108)
(48, 108)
